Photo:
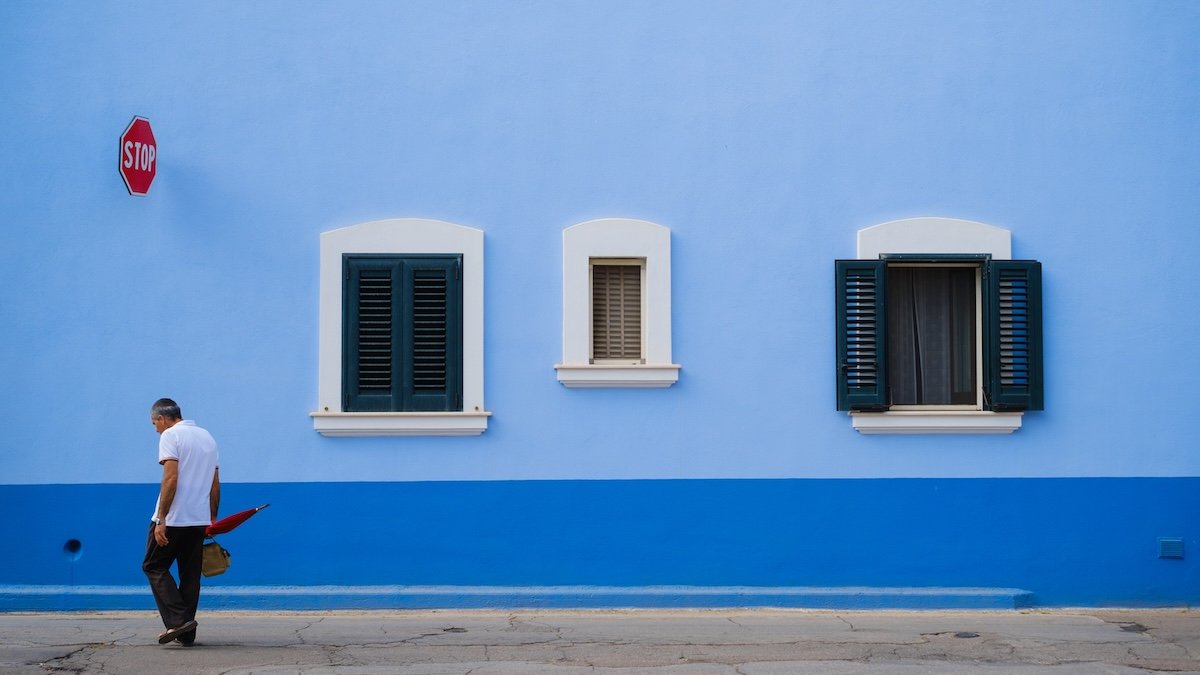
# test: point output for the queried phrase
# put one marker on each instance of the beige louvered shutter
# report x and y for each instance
(617, 311)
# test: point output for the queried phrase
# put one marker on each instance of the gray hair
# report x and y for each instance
(165, 407)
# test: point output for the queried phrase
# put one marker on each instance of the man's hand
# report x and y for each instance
(166, 496)
(160, 532)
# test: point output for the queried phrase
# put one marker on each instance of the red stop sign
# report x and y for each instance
(138, 156)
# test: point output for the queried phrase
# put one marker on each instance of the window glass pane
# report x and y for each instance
(931, 320)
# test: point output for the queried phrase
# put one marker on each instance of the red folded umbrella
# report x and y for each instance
(229, 522)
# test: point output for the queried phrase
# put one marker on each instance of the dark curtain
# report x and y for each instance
(931, 335)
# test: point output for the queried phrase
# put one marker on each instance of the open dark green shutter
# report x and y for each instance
(861, 335)
(1013, 332)
(432, 340)
(402, 337)
(369, 369)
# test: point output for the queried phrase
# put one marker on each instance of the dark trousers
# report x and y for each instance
(185, 547)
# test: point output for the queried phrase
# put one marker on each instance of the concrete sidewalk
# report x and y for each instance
(746, 642)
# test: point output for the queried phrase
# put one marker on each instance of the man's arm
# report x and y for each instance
(166, 495)
(214, 494)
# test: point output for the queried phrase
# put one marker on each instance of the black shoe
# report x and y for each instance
(187, 639)
(173, 633)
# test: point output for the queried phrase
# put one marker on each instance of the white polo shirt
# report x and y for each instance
(196, 452)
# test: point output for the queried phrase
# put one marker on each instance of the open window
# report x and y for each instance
(938, 342)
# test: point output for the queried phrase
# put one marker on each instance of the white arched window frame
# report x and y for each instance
(625, 241)
(935, 236)
(400, 236)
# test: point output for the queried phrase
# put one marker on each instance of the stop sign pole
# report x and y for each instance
(138, 157)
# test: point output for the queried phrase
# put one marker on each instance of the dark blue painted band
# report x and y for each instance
(1068, 541)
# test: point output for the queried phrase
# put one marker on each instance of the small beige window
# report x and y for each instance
(617, 310)
(617, 305)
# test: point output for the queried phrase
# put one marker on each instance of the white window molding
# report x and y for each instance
(400, 424)
(617, 238)
(404, 236)
(936, 422)
(935, 236)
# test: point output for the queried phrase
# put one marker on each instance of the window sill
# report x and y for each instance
(941, 422)
(594, 376)
(400, 423)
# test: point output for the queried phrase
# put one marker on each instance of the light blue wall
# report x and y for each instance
(765, 135)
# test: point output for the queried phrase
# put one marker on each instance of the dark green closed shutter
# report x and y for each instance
(402, 339)
(433, 340)
(861, 335)
(1012, 296)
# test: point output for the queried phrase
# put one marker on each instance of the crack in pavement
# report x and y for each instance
(305, 627)
(66, 657)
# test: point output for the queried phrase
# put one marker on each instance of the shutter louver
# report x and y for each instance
(374, 361)
(861, 335)
(429, 330)
(432, 347)
(1014, 333)
(369, 367)
(616, 312)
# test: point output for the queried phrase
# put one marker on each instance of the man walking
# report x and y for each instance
(187, 504)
